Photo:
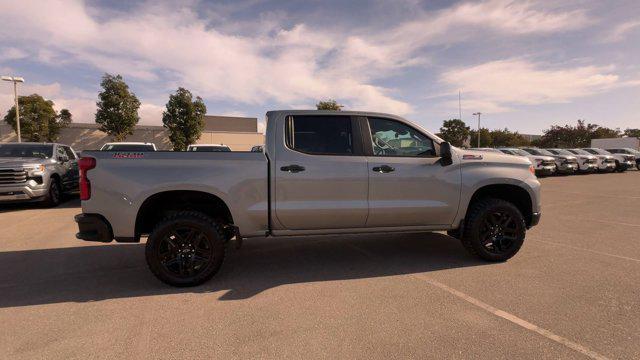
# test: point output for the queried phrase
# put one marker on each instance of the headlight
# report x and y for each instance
(35, 170)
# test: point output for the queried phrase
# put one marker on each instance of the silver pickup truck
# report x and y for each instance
(37, 172)
(321, 172)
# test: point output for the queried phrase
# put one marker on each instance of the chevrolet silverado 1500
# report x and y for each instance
(321, 172)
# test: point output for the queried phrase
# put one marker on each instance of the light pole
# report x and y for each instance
(15, 80)
(478, 113)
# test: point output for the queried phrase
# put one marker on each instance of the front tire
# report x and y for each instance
(54, 195)
(494, 230)
(185, 249)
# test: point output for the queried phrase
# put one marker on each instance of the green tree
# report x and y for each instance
(117, 108)
(184, 117)
(632, 133)
(38, 119)
(506, 138)
(329, 105)
(455, 131)
(485, 138)
(574, 136)
(604, 133)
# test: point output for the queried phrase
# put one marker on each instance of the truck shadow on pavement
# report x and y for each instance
(112, 271)
(70, 201)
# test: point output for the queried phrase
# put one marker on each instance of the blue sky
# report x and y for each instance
(524, 64)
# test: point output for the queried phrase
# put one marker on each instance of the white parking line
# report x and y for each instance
(588, 250)
(500, 313)
(594, 194)
(613, 222)
(514, 319)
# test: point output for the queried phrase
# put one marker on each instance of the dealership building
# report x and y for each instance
(239, 133)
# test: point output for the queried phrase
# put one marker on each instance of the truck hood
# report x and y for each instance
(541, 157)
(21, 161)
(585, 157)
(566, 157)
(604, 157)
(487, 156)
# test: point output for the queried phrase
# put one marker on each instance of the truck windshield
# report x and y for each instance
(539, 152)
(127, 147)
(40, 151)
(578, 152)
(561, 152)
(210, 148)
(598, 151)
(519, 152)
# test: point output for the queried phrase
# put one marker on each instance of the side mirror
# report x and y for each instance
(63, 158)
(445, 154)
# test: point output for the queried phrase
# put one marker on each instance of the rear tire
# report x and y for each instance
(185, 249)
(494, 230)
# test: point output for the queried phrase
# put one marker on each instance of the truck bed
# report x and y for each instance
(122, 181)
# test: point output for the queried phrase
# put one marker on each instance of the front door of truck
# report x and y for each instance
(407, 184)
(321, 175)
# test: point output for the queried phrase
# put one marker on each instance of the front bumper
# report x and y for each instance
(607, 166)
(568, 168)
(93, 227)
(627, 164)
(535, 219)
(546, 170)
(22, 192)
(589, 167)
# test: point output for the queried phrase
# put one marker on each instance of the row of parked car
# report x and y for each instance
(570, 161)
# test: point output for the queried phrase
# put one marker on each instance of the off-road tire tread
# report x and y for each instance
(190, 215)
(476, 211)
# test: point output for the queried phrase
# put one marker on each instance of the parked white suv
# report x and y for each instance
(544, 165)
(606, 163)
(565, 164)
(627, 151)
(623, 161)
(587, 163)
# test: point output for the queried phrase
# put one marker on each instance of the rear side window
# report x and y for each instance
(320, 135)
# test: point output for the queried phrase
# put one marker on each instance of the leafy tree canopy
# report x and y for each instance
(632, 133)
(38, 119)
(579, 135)
(485, 138)
(329, 105)
(117, 108)
(184, 117)
(455, 131)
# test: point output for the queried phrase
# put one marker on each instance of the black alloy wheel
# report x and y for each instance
(494, 229)
(185, 249)
(498, 232)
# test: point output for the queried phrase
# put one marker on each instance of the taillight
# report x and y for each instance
(85, 164)
(532, 170)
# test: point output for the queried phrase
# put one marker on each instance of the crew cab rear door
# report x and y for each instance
(408, 186)
(320, 174)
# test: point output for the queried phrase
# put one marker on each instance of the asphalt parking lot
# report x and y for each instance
(573, 291)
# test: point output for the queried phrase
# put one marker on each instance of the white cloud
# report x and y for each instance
(620, 31)
(150, 114)
(160, 44)
(496, 85)
(79, 102)
(12, 53)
